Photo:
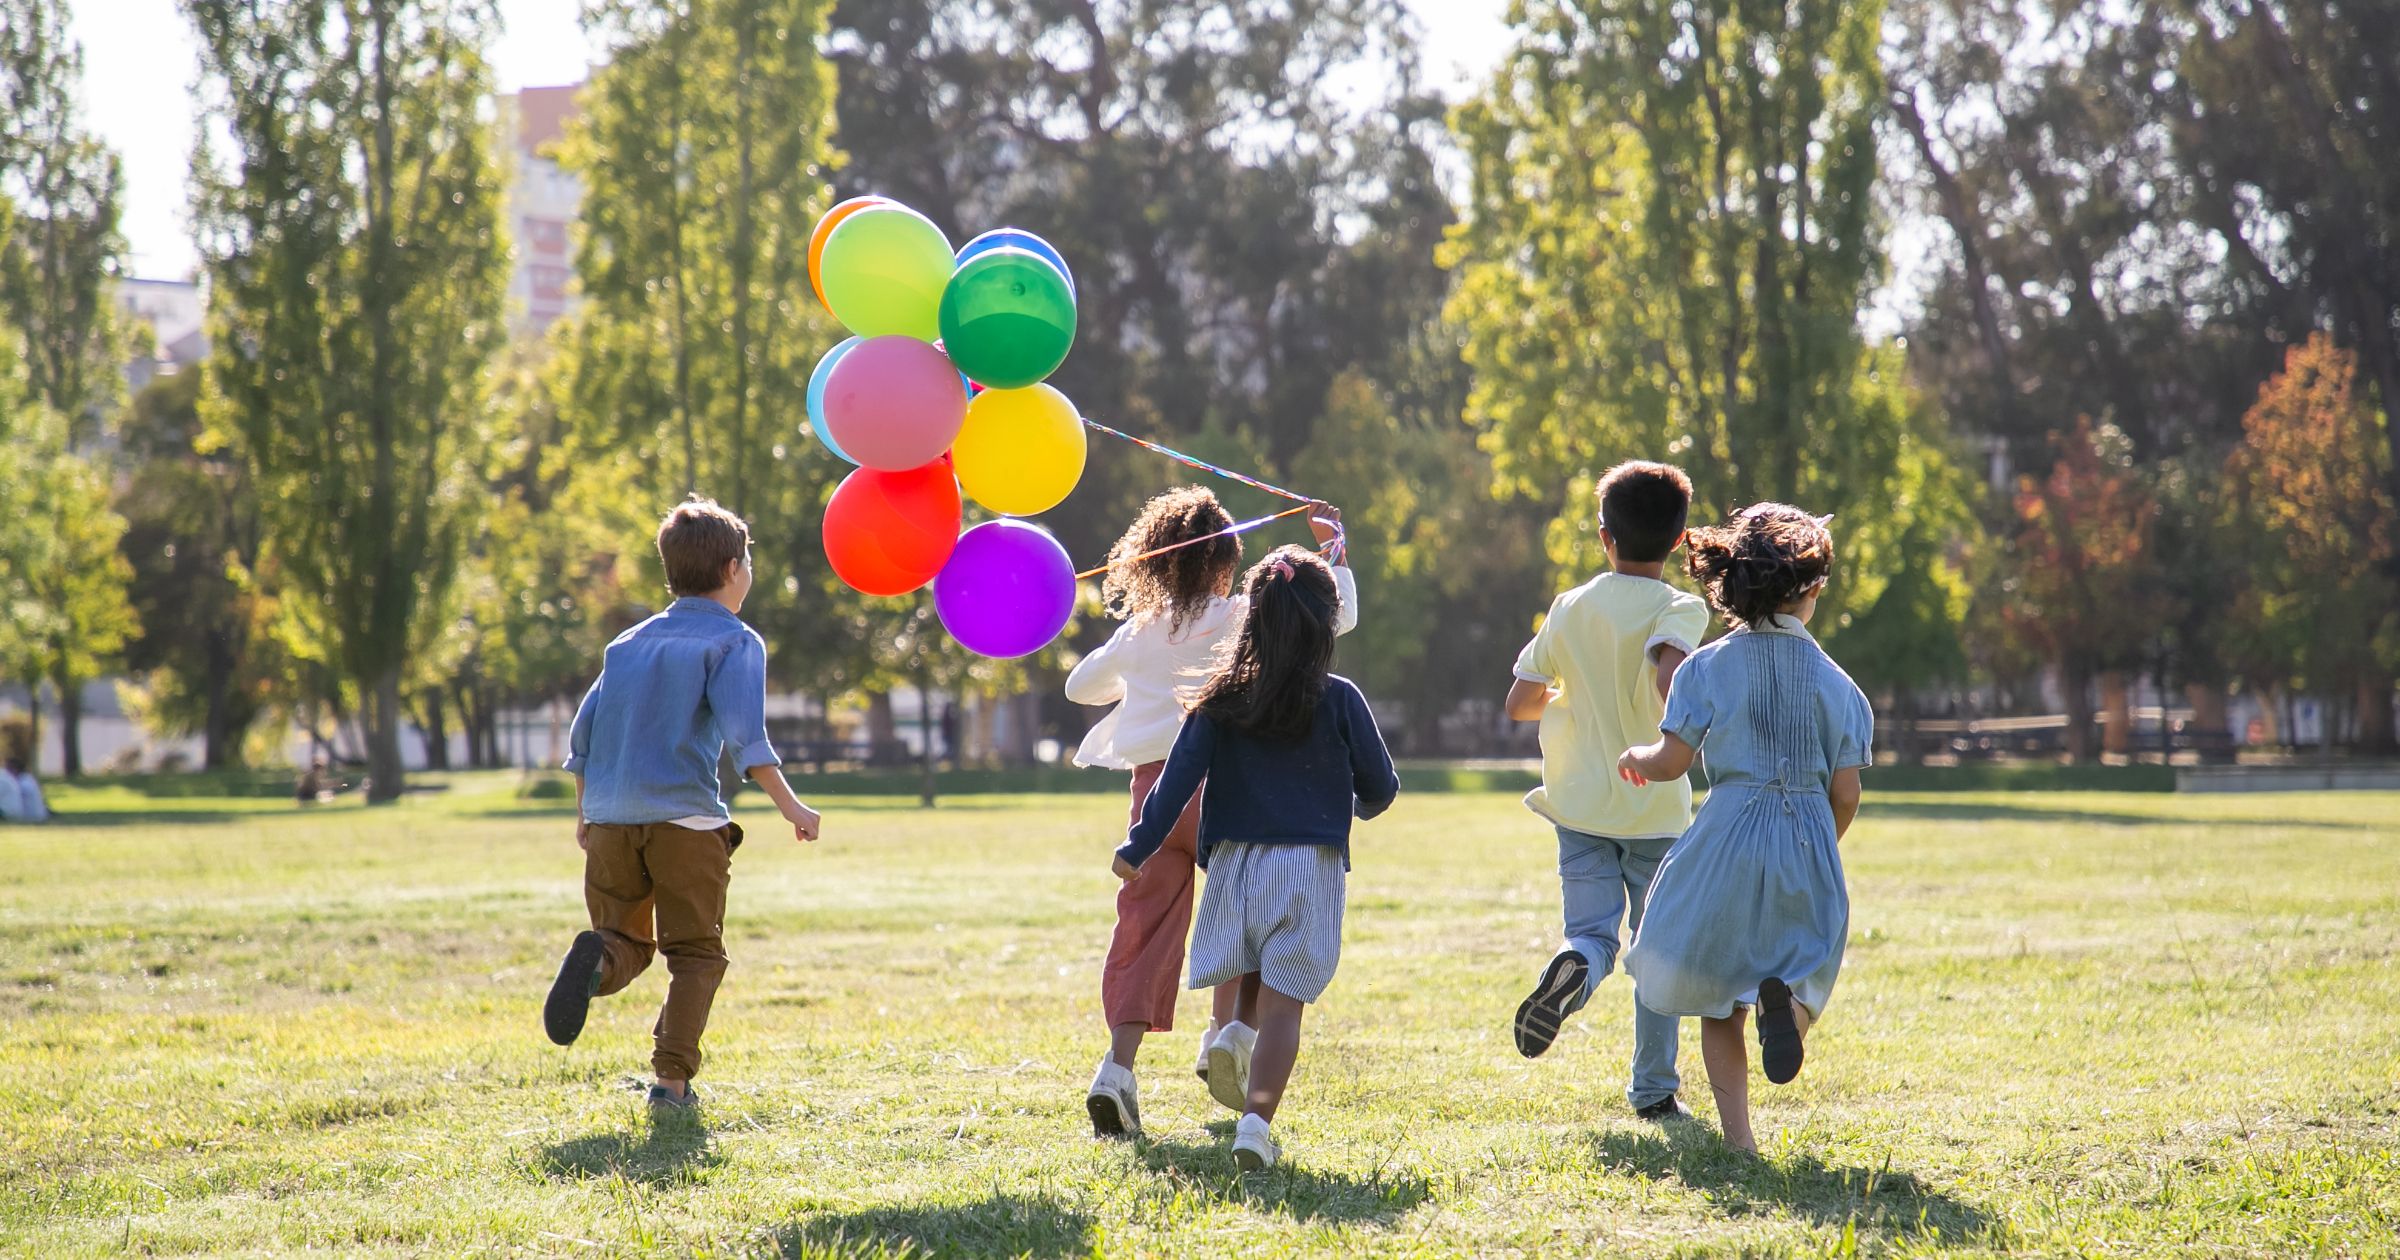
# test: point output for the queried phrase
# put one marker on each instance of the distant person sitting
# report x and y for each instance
(315, 784)
(21, 800)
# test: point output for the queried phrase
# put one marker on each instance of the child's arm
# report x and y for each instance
(1186, 767)
(1325, 521)
(1666, 660)
(1100, 677)
(1373, 782)
(1527, 698)
(582, 827)
(579, 750)
(1844, 791)
(737, 694)
(1667, 758)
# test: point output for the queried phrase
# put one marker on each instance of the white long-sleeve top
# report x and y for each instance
(1148, 670)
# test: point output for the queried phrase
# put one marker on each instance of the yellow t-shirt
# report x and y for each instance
(1595, 647)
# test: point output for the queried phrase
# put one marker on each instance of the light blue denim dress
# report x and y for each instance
(1754, 888)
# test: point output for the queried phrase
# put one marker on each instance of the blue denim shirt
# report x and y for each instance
(673, 692)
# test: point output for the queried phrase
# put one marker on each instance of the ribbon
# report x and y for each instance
(1335, 549)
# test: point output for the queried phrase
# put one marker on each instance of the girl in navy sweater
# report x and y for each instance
(1289, 754)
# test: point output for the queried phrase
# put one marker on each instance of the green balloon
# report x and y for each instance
(884, 270)
(1008, 318)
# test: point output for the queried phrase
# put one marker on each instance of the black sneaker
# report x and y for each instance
(571, 994)
(1779, 1049)
(1543, 1010)
(1667, 1108)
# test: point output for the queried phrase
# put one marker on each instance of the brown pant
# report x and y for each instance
(675, 877)
(1144, 969)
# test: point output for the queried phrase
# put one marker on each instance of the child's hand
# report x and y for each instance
(804, 821)
(1324, 521)
(583, 835)
(1124, 870)
(1629, 768)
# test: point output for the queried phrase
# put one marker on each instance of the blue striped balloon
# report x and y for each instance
(1018, 238)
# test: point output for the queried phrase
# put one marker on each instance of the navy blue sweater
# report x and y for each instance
(1265, 792)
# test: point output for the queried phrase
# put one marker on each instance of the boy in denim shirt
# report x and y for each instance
(674, 692)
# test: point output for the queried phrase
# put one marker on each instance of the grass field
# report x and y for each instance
(2069, 1024)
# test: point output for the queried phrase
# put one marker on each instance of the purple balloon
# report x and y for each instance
(894, 403)
(1007, 590)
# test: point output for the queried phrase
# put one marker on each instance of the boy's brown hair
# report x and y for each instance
(1643, 506)
(696, 541)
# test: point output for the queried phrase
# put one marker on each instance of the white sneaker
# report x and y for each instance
(1114, 1102)
(1229, 1065)
(1253, 1147)
(1208, 1037)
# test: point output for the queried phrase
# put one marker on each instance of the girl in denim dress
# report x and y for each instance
(1750, 908)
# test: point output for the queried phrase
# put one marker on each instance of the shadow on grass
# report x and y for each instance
(1296, 1191)
(1002, 1225)
(1890, 807)
(667, 1153)
(1882, 1201)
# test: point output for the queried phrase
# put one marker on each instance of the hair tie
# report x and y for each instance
(1281, 566)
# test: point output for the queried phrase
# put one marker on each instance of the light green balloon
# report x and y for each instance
(884, 270)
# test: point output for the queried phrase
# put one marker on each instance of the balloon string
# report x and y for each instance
(1227, 532)
(1201, 464)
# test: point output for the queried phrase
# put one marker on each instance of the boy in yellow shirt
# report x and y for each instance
(1596, 676)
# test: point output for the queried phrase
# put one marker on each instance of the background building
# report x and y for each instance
(542, 202)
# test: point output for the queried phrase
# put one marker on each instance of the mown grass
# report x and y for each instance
(2069, 1025)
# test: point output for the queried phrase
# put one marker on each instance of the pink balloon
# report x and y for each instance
(894, 403)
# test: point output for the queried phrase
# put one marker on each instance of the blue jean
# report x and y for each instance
(1603, 881)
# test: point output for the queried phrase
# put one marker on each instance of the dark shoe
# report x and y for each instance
(661, 1100)
(1543, 1010)
(1779, 1049)
(571, 994)
(1667, 1108)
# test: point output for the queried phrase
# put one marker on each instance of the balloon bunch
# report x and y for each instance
(940, 390)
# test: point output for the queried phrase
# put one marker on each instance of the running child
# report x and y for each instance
(1596, 674)
(1172, 588)
(1750, 909)
(674, 693)
(1289, 754)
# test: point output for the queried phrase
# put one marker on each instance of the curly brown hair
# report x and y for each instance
(1269, 679)
(1762, 558)
(1178, 584)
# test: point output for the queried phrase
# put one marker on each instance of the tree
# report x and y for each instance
(205, 642)
(2311, 492)
(349, 225)
(2081, 587)
(1667, 245)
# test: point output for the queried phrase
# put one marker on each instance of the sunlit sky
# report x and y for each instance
(139, 66)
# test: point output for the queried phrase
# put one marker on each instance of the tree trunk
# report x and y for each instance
(2116, 701)
(2375, 734)
(883, 729)
(70, 728)
(925, 792)
(2212, 733)
(435, 731)
(1912, 749)
(2076, 679)
(219, 746)
(386, 778)
(33, 724)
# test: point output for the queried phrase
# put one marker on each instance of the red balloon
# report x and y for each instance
(888, 533)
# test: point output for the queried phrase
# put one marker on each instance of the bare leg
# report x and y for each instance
(1727, 1058)
(1222, 1001)
(1278, 1046)
(1125, 1041)
(1245, 999)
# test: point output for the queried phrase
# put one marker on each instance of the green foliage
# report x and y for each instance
(1667, 243)
(206, 643)
(349, 219)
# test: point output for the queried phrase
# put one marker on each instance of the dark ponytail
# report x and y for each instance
(1267, 685)
(1762, 558)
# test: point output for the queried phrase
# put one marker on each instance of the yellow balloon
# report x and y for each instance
(1021, 451)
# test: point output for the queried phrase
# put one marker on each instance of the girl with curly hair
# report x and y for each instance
(1750, 908)
(1172, 587)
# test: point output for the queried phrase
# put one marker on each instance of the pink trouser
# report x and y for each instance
(1144, 970)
